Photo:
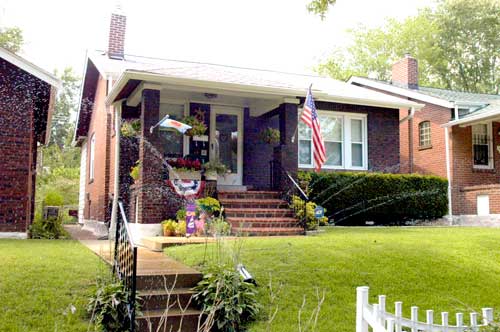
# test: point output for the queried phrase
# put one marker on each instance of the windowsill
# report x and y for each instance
(427, 147)
(476, 169)
(338, 168)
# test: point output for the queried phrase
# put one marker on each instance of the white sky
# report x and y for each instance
(274, 34)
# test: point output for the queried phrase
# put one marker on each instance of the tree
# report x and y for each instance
(320, 7)
(65, 109)
(456, 45)
(11, 39)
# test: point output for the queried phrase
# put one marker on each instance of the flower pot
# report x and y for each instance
(185, 175)
(211, 176)
(167, 232)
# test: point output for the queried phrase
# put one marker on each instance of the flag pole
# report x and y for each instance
(297, 127)
(158, 123)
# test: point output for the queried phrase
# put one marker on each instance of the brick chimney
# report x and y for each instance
(405, 72)
(116, 42)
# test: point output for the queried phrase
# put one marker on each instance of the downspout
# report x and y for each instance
(456, 112)
(116, 187)
(448, 173)
(409, 118)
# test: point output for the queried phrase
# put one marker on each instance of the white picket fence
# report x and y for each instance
(376, 317)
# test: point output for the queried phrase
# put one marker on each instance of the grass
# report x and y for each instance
(39, 282)
(445, 269)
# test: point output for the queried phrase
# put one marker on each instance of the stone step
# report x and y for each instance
(156, 281)
(258, 213)
(252, 194)
(161, 299)
(268, 231)
(262, 222)
(178, 321)
(237, 203)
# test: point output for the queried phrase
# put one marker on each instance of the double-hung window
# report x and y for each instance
(345, 140)
(482, 147)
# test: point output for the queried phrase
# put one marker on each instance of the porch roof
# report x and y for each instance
(488, 112)
(237, 79)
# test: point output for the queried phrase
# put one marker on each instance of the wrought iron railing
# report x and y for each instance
(125, 263)
(281, 180)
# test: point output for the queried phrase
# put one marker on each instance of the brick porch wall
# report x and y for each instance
(468, 182)
(19, 92)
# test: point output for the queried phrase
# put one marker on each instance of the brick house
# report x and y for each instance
(455, 135)
(27, 95)
(360, 126)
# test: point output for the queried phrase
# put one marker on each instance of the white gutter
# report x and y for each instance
(448, 174)
(456, 112)
(116, 172)
(253, 89)
(483, 116)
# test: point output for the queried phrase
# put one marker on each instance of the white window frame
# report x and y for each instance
(346, 140)
(489, 130)
(92, 158)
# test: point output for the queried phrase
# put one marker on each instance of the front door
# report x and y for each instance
(226, 142)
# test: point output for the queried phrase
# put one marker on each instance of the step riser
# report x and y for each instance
(176, 301)
(291, 233)
(255, 205)
(189, 324)
(263, 224)
(167, 281)
(271, 214)
(248, 195)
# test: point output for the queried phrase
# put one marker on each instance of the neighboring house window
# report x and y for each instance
(172, 140)
(92, 157)
(482, 147)
(345, 141)
(424, 129)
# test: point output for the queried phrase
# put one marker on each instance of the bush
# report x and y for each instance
(108, 307)
(223, 294)
(354, 198)
(311, 220)
(50, 228)
(53, 198)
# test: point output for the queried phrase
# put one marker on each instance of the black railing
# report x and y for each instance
(125, 263)
(281, 180)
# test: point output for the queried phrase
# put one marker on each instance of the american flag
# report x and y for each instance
(310, 118)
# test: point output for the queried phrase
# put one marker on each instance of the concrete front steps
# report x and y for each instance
(259, 213)
(164, 287)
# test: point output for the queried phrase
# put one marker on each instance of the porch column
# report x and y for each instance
(287, 153)
(150, 197)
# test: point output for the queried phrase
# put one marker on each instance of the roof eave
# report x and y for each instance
(320, 96)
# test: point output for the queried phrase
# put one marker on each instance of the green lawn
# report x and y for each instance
(39, 282)
(445, 269)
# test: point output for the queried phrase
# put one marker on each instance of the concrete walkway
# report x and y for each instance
(148, 262)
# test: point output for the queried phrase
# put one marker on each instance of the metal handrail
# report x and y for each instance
(125, 263)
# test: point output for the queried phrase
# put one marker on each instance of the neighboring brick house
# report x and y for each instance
(465, 122)
(360, 126)
(27, 96)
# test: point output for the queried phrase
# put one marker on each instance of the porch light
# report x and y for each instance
(247, 277)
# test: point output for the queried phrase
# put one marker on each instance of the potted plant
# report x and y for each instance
(208, 205)
(214, 168)
(270, 135)
(198, 128)
(185, 169)
(180, 229)
(169, 227)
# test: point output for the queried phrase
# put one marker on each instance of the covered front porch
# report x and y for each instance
(234, 123)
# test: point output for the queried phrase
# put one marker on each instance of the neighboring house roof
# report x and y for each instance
(483, 106)
(231, 78)
(42, 75)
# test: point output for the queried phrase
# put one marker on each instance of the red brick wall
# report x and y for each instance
(116, 41)
(468, 182)
(19, 95)
(97, 190)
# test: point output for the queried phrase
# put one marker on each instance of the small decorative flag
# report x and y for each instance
(170, 123)
(310, 118)
(190, 219)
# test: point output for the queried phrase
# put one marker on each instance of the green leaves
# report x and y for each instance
(224, 295)
(11, 39)
(320, 7)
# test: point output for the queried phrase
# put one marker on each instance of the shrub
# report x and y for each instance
(108, 307)
(311, 221)
(50, 228)
(180, 214)
(53, 198)
(223, 294)
(353, 198)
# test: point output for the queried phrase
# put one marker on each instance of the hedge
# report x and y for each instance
(354, 198)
